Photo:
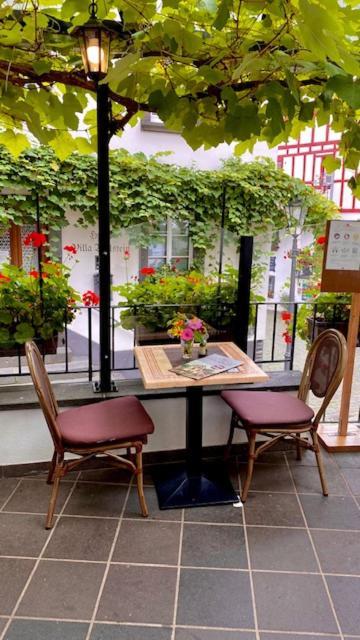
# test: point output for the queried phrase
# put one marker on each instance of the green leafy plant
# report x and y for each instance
(154, 300)
(34, 305)
(37, 304)
(214, 70)
(256, 195)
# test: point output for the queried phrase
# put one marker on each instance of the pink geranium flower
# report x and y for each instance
(187, 334)
(195, 324)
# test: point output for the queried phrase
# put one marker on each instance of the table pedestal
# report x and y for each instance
(193, 483)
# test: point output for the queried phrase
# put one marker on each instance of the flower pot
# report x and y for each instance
(46, 347)
(321, 325)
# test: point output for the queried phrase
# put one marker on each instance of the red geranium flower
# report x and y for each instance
(321, 240)
(147, 271)
(90, 298)
(4, 278)
(34, 273)
(286, 316)
(35, 239)
(126, 253)
(70, 248)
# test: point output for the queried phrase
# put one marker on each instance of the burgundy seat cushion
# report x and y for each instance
(266, 409)
(119, 419)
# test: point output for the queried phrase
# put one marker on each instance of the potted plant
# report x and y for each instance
(35, 305)
(150, 303)
(327, 309)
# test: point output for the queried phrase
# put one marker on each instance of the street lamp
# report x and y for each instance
(296, 211)
(95, 38)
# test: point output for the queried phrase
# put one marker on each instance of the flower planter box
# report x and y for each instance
(46, 347)
(145, 336)
(322, 325)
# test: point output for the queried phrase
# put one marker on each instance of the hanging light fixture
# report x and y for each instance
(94, 39)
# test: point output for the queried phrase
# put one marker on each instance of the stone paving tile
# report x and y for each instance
(293, 602)
(273, 509)
(345, 593)
(307, 480)
(14, 573)
(22, 534)
(3, 622)
(123, 632)
(269, 477)
(62, 590)
(132, 509)
(346, 460)
(46, 630)
(34, 496)
(148, 541)
(281, 549)
(95, 499)
(113, 475)
(213, 546)
(138, 594)
(213, 634)
(213, 598)
(352, 477)
(7, 485)
(330, 512)
(81, 539)
(225, 513)
(338, 551)
(293, 636)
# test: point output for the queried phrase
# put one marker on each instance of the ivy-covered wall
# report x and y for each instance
(144, 191)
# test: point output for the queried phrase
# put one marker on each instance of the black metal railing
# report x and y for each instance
(78, 345)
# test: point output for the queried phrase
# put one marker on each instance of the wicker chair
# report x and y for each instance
(98, 428)
(277, 415)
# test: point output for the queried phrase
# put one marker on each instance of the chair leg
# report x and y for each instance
(50, 478)
(319, 463)
(250, 466)
(140, 483)
(57, 475)
(231, 435)
(298, 447)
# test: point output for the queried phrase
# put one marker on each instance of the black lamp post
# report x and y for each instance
(95, 39)
(296, 216)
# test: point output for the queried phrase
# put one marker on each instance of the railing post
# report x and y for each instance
(242, 315)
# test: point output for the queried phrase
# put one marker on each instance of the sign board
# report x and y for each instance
(341, 265)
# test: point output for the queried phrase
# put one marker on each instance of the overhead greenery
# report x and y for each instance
(214, 70)
(256, 194)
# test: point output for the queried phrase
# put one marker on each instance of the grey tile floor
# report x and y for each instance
(284, 567)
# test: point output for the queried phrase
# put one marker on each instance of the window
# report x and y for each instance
(12, 246)
(272, 263)
(152, 122)
(172, 247)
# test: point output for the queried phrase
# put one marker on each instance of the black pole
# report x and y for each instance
(104, 234)
(242, 316)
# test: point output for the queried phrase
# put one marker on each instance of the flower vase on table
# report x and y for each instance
(189, 330)
(187, 347)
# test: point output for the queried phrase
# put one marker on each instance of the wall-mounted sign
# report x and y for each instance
(341, 266)
(343, 247)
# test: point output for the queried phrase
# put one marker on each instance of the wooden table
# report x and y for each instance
(193, 483)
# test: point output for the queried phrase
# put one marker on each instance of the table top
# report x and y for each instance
(154, 364)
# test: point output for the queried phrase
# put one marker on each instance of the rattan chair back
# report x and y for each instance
(44, 391)
(324, 369)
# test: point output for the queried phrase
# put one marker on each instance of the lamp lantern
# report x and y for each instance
(94, 39)
(297, 210)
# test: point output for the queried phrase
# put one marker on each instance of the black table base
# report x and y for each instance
(176, 487)
(194, 483)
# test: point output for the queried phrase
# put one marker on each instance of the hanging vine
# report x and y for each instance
(145, 191)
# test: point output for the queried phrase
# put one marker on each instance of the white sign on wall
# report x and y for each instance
(343, 251)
